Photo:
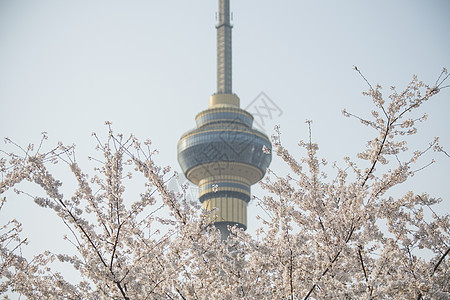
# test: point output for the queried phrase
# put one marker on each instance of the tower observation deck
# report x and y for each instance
(224, 155)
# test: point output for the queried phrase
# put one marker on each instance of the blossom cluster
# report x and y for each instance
(341, 238)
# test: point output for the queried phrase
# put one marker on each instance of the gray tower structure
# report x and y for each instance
(224, 155)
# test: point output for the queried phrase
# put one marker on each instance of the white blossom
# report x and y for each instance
(341, 236)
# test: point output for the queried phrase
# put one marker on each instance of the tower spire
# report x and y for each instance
(224, 49)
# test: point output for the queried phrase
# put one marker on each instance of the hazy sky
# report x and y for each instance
(150, 66)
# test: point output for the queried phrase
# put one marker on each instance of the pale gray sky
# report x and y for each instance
(149, 67)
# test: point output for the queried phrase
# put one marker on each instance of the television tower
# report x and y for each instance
(224, 154)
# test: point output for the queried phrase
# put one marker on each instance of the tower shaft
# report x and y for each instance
(224, 64)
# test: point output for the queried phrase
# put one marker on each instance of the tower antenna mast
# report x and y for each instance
(224, 64)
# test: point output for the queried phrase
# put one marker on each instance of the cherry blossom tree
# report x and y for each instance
(326, 233)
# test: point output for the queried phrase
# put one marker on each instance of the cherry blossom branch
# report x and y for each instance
(362, 264)
(440, 261)
(352, 229)
(375, 160)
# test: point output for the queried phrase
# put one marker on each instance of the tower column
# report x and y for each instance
(228, 196)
